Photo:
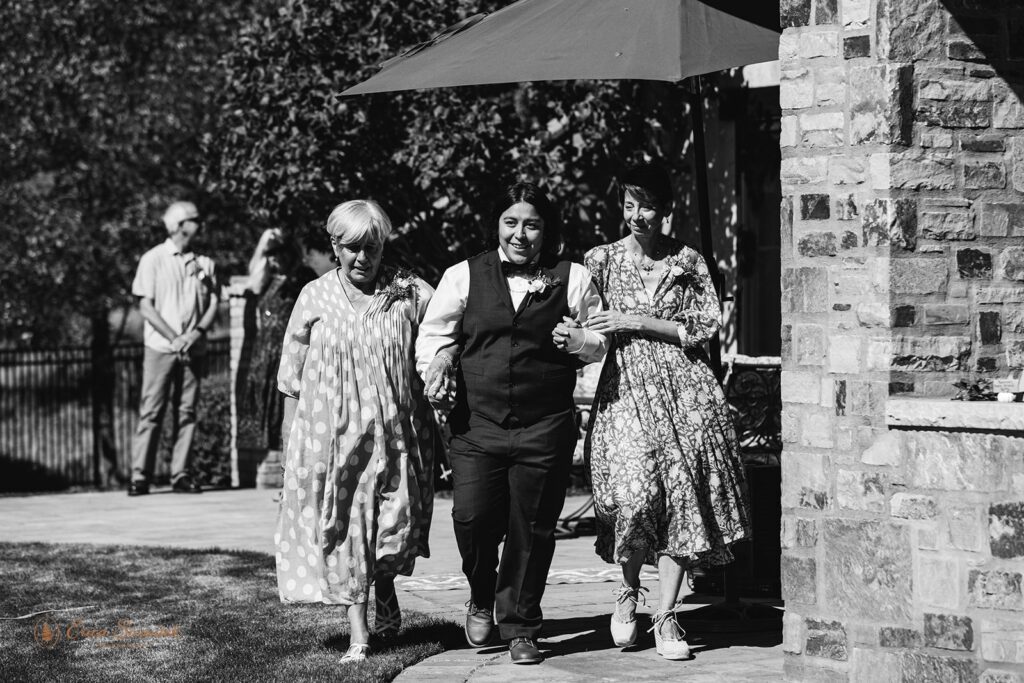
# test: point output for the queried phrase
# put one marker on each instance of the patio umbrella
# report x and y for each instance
(553, 40)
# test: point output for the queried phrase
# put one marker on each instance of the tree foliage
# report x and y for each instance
(290, 148)
(103, 104)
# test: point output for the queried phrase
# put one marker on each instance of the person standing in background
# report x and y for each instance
(276, 276)
(178, 295)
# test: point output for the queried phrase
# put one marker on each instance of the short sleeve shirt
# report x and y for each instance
(182, 286)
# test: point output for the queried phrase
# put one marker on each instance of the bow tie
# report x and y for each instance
(509, 269)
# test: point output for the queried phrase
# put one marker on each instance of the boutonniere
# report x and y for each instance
(541, 282)
(402, 286)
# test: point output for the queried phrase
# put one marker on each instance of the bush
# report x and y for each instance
(211, 449)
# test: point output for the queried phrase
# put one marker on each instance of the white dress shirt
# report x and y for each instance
(442, 323)
(182, 285)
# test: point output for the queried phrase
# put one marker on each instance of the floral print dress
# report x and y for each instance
(358, 490)
(662, 448)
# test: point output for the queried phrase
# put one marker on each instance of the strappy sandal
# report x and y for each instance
(388, 617)
(669, 648)
(623, 623)
(356, 653)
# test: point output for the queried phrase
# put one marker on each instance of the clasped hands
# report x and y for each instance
(184, 342)
(440, 385)
(569, 334)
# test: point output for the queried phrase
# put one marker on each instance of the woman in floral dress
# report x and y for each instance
(358, 495)
(667, 478)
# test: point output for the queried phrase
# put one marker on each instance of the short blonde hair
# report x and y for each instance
(357, 220)
(176, 213)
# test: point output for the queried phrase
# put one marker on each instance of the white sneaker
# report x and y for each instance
(674, 647)
(623, 623)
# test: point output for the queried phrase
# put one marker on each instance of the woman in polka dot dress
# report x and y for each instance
(358, 491)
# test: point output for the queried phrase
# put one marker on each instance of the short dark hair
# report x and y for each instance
(648, 182)
(532, 194)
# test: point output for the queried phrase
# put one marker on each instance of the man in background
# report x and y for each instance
(178, 295)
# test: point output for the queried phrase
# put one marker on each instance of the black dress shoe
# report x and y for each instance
(138, 488)
(524, 651)
(186, 485)
(479, 625)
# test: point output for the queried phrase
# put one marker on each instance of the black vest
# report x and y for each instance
(509, 364)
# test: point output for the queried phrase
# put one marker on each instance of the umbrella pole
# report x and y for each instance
(707, 245)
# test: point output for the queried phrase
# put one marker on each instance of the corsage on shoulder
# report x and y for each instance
(684, 266)
(402, 286)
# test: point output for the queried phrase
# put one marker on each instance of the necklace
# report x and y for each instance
(646, 263)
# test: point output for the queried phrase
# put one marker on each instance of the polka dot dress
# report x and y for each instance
(358, 490)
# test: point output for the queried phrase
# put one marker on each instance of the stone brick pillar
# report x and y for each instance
(902, 267)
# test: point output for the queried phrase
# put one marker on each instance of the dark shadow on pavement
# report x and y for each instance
(448, 634)
(587, 634)
(591, 633)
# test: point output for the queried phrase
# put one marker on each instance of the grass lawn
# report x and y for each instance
(194, 615)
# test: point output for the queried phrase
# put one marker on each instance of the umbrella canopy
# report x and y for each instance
(553, 40)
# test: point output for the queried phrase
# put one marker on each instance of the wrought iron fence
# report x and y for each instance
(47, 406)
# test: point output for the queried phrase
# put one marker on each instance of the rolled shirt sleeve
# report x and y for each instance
(442, 321)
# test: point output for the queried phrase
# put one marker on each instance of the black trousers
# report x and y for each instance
(509, 482)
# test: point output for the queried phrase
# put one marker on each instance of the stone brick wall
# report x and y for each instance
(902, 271)
(909, 554)
(902, 139)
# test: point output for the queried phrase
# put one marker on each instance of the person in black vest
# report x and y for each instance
(499, 347)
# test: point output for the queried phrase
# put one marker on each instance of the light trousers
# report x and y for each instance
(167, 378)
